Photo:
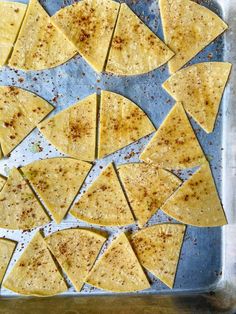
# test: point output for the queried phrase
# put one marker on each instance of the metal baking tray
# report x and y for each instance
(206, 276)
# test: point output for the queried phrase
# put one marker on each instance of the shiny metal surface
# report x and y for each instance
(208, 257)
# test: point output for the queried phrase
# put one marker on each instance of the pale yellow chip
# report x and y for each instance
(147, 188)
(73, 131)
(188, 28)
(76, 251)
(200, 88)
(135, 49)
(19, 208)
(7, 248)
(12, 14)
(197, 202)
(104, 202)
(118, 269)
(20, 112)
(158, 249)
(57, 182)
(40, 45)
(121, 123)
(35, 272)
(174, 146)
(89, 25)
(2, 182)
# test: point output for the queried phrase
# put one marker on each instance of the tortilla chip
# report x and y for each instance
(104, 202)
(200, 88)
(89, 25)
(135, 49)
(35, 272)
(2, 182)
(76, 251)
(7, 248)
(121, 123)
(174, 146)
(12, 14)
(147, 188)
(197, 202)
(20, 111)
(188, 28)
(158, 249)
(40, 44)
(19, 208)
(118, 269)
(57, 182)
(73, 131)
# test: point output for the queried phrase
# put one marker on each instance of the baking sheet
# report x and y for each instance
(200, 264)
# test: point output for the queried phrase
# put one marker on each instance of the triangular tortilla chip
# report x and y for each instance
(197, 202)
(135, 49)
(188, 28)
(104, 202)
(7, 248)
(2, 182)
(200, 88)
(20, 112)
(12, 14)
(158, 249)
(89, 26)
(121, 123)
(40, 44)
(73, 131)
(147, 188)
(35, 272)
(19, 208)
(76, 251)
(174, 146)
(57, 182)
(118, 269)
